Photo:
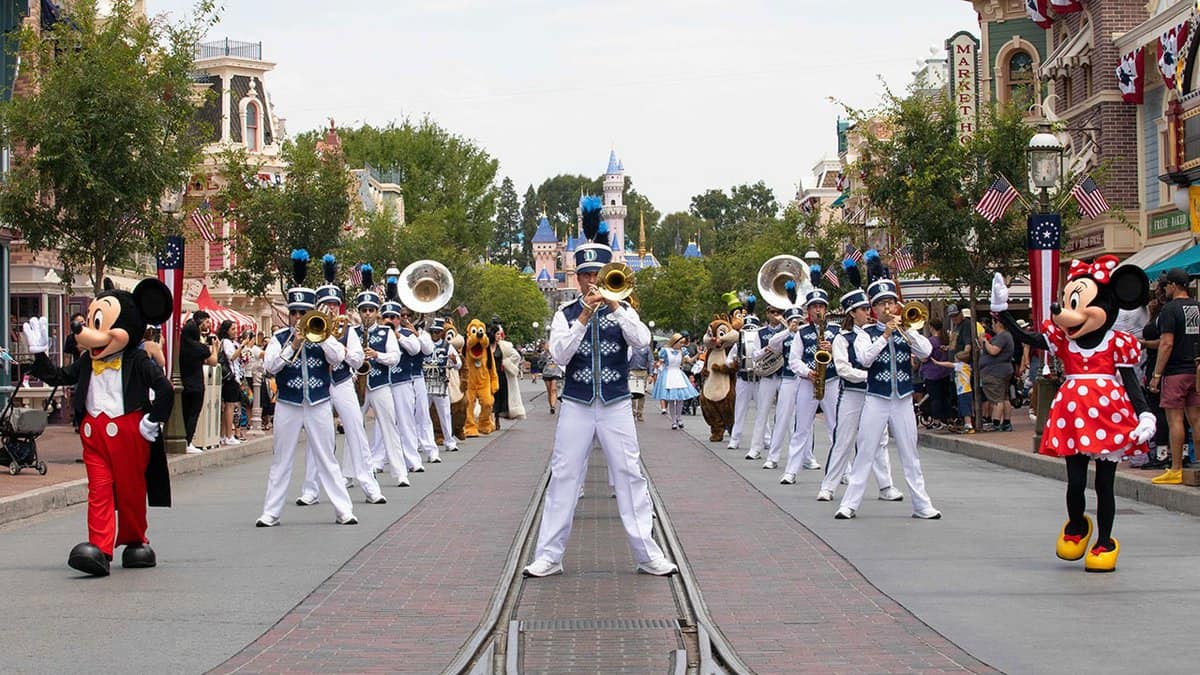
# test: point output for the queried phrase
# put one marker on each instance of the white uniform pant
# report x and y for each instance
(743, 397)
(387, 446)
(421, 416)
(441, 404)
(785, 418)
(800, 448)
(356, 456)
(843, 453)
(896, 414)
(578, 425)
(403, 400)
(317, 420)
(764, 402)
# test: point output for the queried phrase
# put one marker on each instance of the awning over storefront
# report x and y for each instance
(1150, 255)
(218, 313)
(1188, 259)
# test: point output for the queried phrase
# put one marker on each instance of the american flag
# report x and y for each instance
(203, 218)
(1043, 236)
(1091, 202)
(843, 182)
(996, 200)
(902, 260)
(853, 253)
(356, 275)
(170, 272)
(832, 277)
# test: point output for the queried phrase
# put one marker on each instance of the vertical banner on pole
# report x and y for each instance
(170, 272)
(1043, 239)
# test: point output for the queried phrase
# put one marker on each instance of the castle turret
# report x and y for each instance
(613, 211)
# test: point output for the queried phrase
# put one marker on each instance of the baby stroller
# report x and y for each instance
(19, 429)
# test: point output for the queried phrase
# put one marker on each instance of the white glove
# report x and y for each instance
(1147, 426)
(37, 334)
(148, 429)
(999, 294)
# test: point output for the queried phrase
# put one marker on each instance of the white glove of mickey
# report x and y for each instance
(37, 335)
(999, 294)
(1144, 431)
(148, 429)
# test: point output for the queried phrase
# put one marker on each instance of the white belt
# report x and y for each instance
(1097, 376)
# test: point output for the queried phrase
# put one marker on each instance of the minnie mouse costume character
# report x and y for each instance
(1099, 411)
(123, 452)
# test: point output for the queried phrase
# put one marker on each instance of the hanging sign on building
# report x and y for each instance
(962, 51)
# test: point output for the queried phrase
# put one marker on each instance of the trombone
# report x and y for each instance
(614, 281)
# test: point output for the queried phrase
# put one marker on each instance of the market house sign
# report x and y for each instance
(1093, 240)
(1166, 223)
(963, 50)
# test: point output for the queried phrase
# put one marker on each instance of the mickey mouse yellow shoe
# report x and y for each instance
(1073, 546)
(1100, 559)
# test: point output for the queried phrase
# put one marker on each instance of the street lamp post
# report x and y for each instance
(1045, 155)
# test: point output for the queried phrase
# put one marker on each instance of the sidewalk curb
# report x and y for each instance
(51, 497)
(1179, 498)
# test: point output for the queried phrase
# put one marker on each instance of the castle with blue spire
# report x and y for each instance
(553, 259)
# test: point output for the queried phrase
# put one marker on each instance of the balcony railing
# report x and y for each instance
(227, 47)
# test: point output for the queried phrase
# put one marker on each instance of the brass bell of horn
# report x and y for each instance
(774, 275)
(425, 286)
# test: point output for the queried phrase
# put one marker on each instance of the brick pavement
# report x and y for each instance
(409, 599)
(58, 447)
(561, 616)
(786, 601)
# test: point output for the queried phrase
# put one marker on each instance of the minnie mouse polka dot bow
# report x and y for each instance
(1100, 270)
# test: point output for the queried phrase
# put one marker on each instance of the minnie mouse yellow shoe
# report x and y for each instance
(1073, 546)
(1100, 559)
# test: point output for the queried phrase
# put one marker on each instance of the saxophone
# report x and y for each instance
(360, 381)
(823, 358)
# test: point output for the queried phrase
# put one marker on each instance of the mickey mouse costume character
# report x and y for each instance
(123, 452)
(1099, 411)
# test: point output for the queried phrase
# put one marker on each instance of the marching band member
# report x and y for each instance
(356, 456)
(639, 374)
(741, 356)
(400, 376)
(591, 336)
(815, 336)
(785, 410)
(302, 372)
(886, 349)
(849, 409)
(444, 357)
(381, 353)
(421, 393)
(767, 391)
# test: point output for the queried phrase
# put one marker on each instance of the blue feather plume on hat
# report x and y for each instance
(814, 275)
(790, 287)
(329, 266)
(368, 276)
(589, 209)
(299, 266)
(853, 273)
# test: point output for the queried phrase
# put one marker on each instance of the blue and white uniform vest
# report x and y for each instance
(599, 367)
(377, 339)
(808, 333)
(890, 376)
(786, 348)
(307, 380)
(439, 355)
(764, 336)
(849, 336)
(408, 366)
(341, 372)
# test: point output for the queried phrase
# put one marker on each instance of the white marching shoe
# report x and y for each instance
(660, 567)
(542, 568)
(753, 454)
(305, 500)
(930, 514)
(788, 479)
(844, 513)
(824, 496)
(770, 465)
(812, 464)
(891, 494)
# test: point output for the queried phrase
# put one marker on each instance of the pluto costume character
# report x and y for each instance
(482, 380)
(1099, 412)
(122, 450)
(717, 394)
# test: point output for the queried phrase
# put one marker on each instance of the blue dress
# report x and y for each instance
(672, 384)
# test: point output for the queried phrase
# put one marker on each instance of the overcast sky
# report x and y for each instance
(692, 94)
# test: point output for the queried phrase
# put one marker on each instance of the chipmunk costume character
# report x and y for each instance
(1099, 412)
(123, 451)
(482, 380)
(717, 394)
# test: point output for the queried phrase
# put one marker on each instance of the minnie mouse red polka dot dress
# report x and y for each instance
(1091, 413)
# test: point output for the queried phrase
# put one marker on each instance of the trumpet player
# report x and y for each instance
(356, 456)
(850, 405)
(886, 349)
(302, 372)
(381, 353)
(814, 378)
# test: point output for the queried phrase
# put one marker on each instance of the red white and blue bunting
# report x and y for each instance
(1131, 76)
(1039, 11)
(1170, 44)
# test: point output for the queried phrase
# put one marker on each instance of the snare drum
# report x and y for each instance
(637, 382)
(435, 379)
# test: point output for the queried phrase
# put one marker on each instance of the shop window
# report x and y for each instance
(1020, 79)
(251, 131)
(1086, 69)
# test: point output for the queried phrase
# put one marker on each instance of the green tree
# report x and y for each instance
(678, 296)
(530, 215)
(310, 210)
(639, 208)
(559, 196)
(110, 126)
(507, 235)
(744, 203)
(671, 236)
(499, 290)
